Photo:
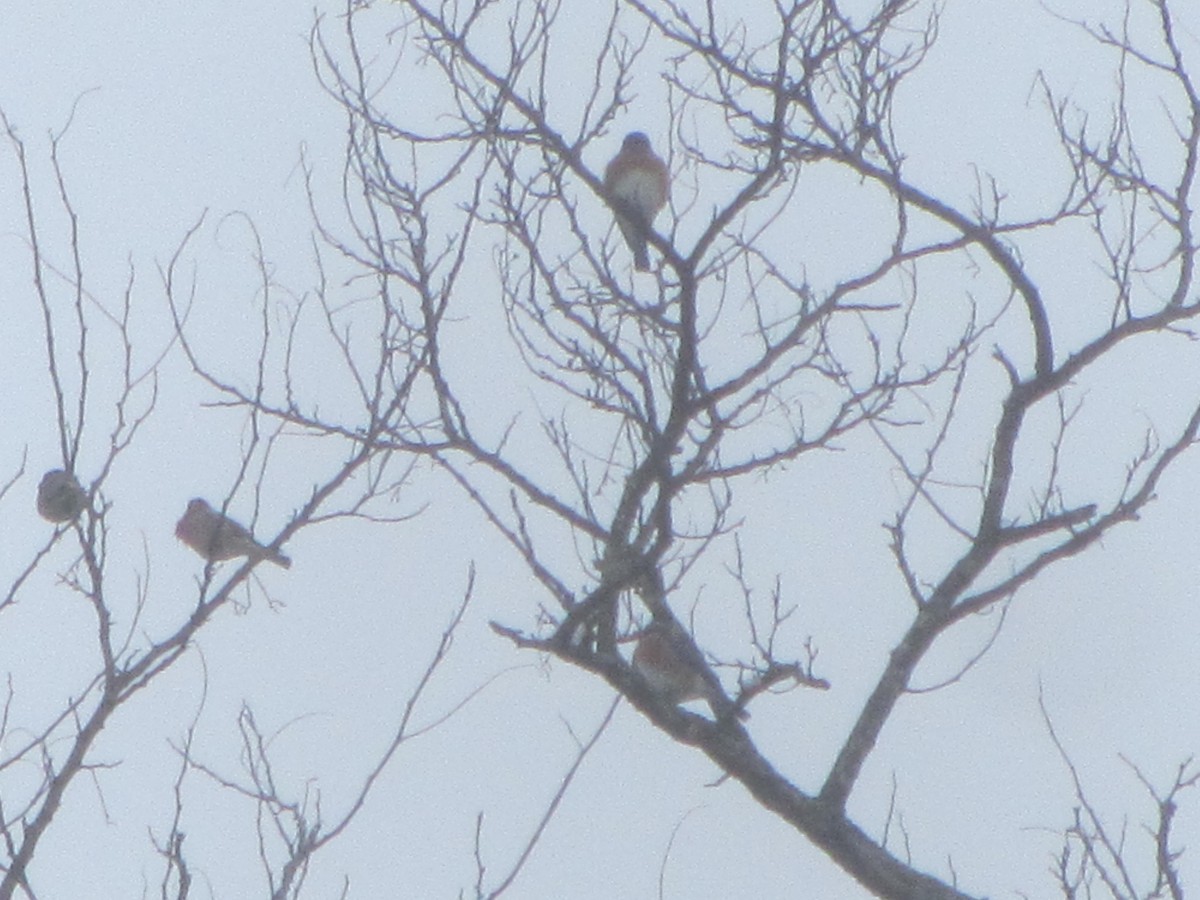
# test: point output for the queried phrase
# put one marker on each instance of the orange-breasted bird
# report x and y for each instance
(665, 660)
(638, 185)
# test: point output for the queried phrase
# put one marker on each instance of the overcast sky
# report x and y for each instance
(182, 108)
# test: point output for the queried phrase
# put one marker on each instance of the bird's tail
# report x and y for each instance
(634, 227)
(641, 258)
(271, 556)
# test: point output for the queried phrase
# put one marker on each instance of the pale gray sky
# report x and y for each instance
(190, 107)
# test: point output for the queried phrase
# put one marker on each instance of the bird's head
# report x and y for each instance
(197, 511)
(636, 140)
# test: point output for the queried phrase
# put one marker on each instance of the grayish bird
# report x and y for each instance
(60, 497)
(216, 537)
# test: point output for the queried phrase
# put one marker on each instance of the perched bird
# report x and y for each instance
(664, 658)
(216, 537)
(637, 182)
(60, 496)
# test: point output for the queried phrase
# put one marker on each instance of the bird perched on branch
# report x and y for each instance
(638, 183)
(60, 497)
(216, 537)
(671, 665)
